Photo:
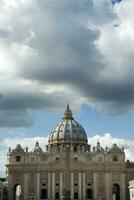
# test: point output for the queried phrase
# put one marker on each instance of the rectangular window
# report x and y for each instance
(75, 195)
(115, 158)
(100, 159)
(89, 193)
(32, 159)
(44, 194)
(57, 196)
(18, 158)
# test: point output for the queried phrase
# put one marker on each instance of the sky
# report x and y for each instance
(71, 51)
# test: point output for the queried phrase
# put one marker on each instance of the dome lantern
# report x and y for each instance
(68, 113)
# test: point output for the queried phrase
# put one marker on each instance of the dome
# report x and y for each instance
(68, 130)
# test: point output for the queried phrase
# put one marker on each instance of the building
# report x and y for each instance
(3, 187)
(1, 190)
(70, 168)
(131, 189)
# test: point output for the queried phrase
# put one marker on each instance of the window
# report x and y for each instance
(57, 196)
(18, 158)
(115, 158)
(57, 158)
(75, 184)
(75, 158)
(75, 148)
(116, 191)
(100, 159)
(44, 194)
(43, 176)
(89, 193)
(32, 159)
(44, 157)
(75, 195)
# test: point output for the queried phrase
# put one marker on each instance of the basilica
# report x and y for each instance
(69, 168)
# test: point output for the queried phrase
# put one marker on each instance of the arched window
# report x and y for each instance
(17, 192)
(89, 193)
(116, 191)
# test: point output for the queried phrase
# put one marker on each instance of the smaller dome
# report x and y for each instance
(37, 148)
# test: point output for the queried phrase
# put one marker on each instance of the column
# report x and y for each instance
(53, 186)
(10, 186)
(79, 181)
(61, 185)
(95, 186)
(72, 185)
(122, 187)
(49, 186)
(25, 186)
(38, 186)
(108, 180)
(84, 186)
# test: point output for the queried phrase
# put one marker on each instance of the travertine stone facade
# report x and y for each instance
(2, 186)
(69, 168)
(131, 189)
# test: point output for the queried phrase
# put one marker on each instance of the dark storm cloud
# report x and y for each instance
(69, 56)
(54, 45)
(16, 118)
(16, 108)
(18, 100)
(88, 84)
(4, 33)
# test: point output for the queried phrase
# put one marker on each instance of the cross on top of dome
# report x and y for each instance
(68, 113)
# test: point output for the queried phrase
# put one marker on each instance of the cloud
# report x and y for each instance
(52, 52)
(105, 140)
(13, 118)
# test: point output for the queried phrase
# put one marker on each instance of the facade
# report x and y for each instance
(2, 189)
(131, 189)
(69, 169)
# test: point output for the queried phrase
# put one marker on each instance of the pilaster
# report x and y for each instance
(49, 186)
(79, 181)
(84, 186)
(26, 186)
(95, 185)
(53, 186)
(72, 185)
(61, 185)
(38, 186)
